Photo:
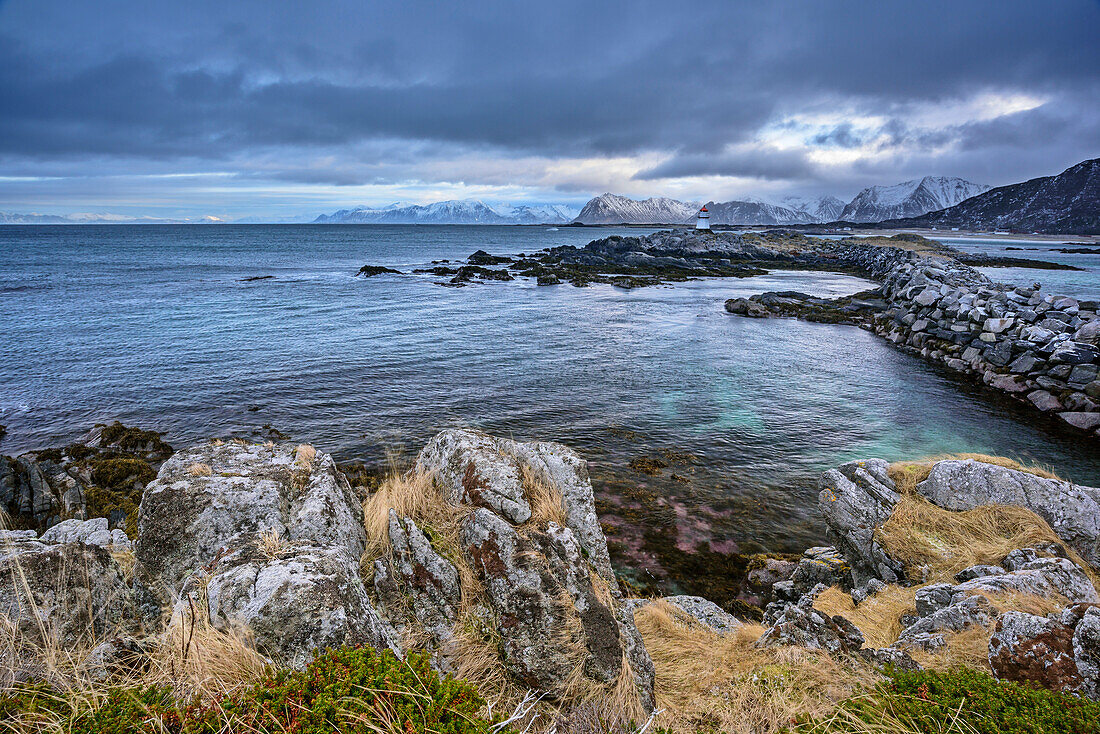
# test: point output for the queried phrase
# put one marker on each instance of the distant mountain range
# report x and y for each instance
(1068, 203)
(873, 204)
(12, 218)
(469, 211)
(908, 199)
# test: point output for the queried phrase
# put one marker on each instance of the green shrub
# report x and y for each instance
(927, 702)
(116, 711)
(346, 691)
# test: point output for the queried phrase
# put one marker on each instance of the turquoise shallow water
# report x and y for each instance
(152, 325)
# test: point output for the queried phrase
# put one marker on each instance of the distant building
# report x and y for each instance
(703, 222)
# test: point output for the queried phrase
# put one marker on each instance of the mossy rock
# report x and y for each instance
(120, 472)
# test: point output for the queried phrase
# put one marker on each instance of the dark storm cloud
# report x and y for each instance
(142, 84)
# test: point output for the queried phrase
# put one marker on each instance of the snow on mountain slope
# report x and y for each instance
(909, 198)
(815, 209)
(467, 211)
(1068, 203)
(614, 209)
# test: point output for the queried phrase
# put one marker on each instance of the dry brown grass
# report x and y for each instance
(919, 533)
(546, 501)
(878, 617)
(711, 682)
(908, 474)
(199, 470)
(194, 658)
(272, 544)
(304, 456)
(413, 495)
(126, 561)
(966, 649)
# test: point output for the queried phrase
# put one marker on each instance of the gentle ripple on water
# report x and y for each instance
(151, 325)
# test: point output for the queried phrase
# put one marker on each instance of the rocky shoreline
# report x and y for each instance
(488, 556)
(1040, 349)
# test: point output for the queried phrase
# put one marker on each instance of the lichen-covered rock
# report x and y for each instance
(1041, 577)
(863, 593)
(927, 633)
(89, 532)
(701, 610)
(1058, 653)
(818, 565)
(72, 592)
(210, 499)
(537, 584)
(485, 471)
(417, 588)
(802, 625)
(889, 657)
(297, 599)
(855, 499)
(38, 493)
(1072, 510)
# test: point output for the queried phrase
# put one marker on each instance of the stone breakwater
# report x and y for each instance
(1041, 349)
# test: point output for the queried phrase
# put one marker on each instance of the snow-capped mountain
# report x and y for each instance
(909, 198)
(1068, 203)
(753, 212)
(467, 211)
(13, 218)
(95, 218)
(815, 209)
(614, 209)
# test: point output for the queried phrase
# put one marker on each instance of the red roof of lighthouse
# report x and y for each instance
(703, 209)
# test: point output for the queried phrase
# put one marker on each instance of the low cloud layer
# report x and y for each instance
(283, 107)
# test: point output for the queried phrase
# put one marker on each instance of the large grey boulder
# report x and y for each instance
(485, 471)
(68, 592)
(1041, 577)
(855, 499)
(1059, 652)
(1071, 510)
(296, 598)
(267, 537)
(209, 499)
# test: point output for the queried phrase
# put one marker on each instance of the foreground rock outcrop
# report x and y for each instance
(262, 535)
(547, 587)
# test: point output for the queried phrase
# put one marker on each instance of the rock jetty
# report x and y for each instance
(1040, 349)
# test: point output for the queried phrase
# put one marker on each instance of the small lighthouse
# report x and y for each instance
(703, 222)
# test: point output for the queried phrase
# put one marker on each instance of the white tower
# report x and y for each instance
(703, 222)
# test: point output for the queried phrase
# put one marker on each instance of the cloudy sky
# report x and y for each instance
(274, 108)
